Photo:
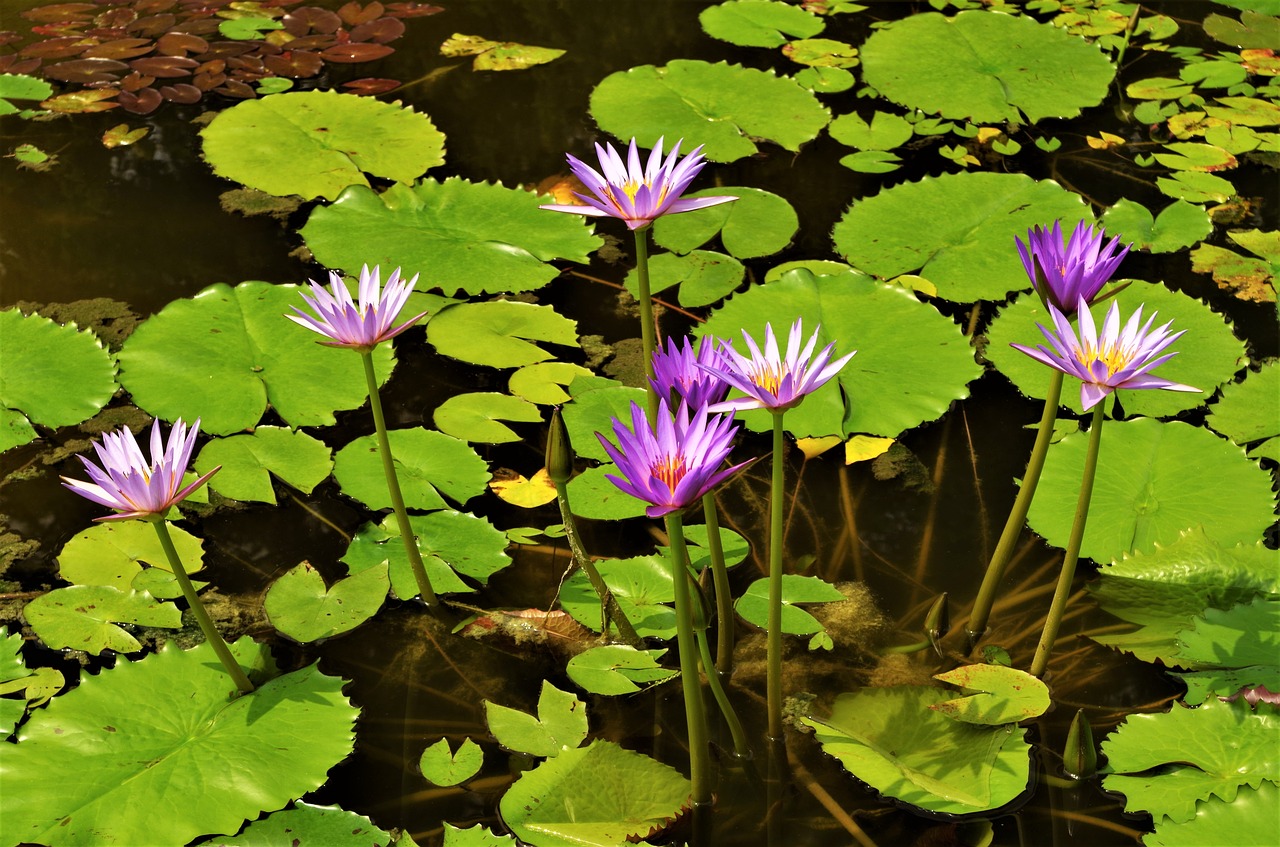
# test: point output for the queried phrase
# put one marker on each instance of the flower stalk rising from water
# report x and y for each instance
(362, 325)
(136, 487)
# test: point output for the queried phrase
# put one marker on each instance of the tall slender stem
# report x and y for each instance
(694, 711)
(774, 628)
(1041, 661)
(211, 634)
(977, 625)
(724, 597)
(740, 745)
(393, 487)
(648, 331)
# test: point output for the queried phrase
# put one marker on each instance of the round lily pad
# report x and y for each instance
(308, 824)
(477, 416)
(758, 23)
(299, 605)
(1250, 411)
(84, 617)
(457, 234)
(316, 143)
(1208, 354)
(911, 362)
(704, 276)
(1154, 481)
(956, 230)
(758, 223)
(724, 107)
(1179, 225)
(500, 333)
(428, 464)
(113, 553)
(52, 375)
(996, 67)
(222, 355)
(249, 461)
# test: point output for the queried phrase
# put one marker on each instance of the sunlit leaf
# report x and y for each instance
(308, 824)
(451, 543)
(428, 464)
(84, 617)
(617, 669)
(996, 695)
(525, 493)
(299, 605)
(753, 605)
(1249, 411)
(758, 223)
(1247, 821)
(704, 276)
(1179, 225)
(443, 766)
(500, 333)
(758, 23)
(475, 417)
(560, 726)
(250, 461)
(115, 553)
(641, 585)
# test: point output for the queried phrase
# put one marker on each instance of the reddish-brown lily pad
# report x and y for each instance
(311, 19)
(371, 86)
(181, 93)
(86, 70)
(165, 67)
(62, 47)
(180, 44)
(144, 101)
(381, 30)
(60, 12)
(152, 25)
(350, 53)
(121, 48)
(353, 14)
(295, 64)
(412, 9)
(88, 100)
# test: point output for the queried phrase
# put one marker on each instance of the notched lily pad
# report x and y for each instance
(85, 617)
(997, 695)
(299, 605)
(498, 55)
(758, 23)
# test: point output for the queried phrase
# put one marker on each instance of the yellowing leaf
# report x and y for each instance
(860, 448)
(525, 493)
(121, 136)
(814, 447)
(1106, 141)
(88, 100)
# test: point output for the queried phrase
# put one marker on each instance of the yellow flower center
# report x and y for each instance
(1113, 356)
(768, 377)
(670, 469)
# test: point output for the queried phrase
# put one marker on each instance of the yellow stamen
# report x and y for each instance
(670, 469)
(768, 377)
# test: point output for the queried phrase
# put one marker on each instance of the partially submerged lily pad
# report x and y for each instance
(758, 223)
(758, 23)
(1249, 411)
(308, 824)
(498, 55)
(995, 695)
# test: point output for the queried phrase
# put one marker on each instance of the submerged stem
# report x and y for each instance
(740, 745)
(393, 487)
(694, 710)
(211, 634)
(774, 627)
(1060, 595)
(977, 625)
(724, 599)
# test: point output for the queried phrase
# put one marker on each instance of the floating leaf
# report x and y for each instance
(1244, 635)
(52, 375)
(821, 53)
(498, 55)
(890, 739)
(1188, 156)
(825, 80)
(121, 135)
(475, 836)
(1249, 411)
(475, 417)
(247, 28)
(1245, 111)
(459, 235)
(442, 766)
(249, 461)
(757, 224)
(593, 496)
(308, 824)
(1253, 29)
(84, 617)
(758, 23)
(1209, 353)
(561, 724)
(316, 143)
(753, 605)
(1154, 480)
(525, 493)
(642, 587)
(114, 553)
(955, 230)
(618, 669)
(544, 383)
(911, 361)
(182, 737)
(1212, 750)
(704, 276)
(1179, 225)
(593, 412)
(598, 794)
(299, 605)
(223, 354)
(1196, 187)
(21, 87)
(997, 67)
(500, 333)
(885, 131)
(450, 543)
(1247, 821)
(1244, 276)
(429, 464)
(721, 106)
(997, 695)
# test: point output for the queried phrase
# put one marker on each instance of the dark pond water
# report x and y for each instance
(143, 226)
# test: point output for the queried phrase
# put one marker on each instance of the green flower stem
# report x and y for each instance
(393, 487)
(197, 608)
(609, 608)
(1041, 661)
(774, 627)
(977, 625)
(700, 610)
(648, 333)
(724, 597)
(694, 711)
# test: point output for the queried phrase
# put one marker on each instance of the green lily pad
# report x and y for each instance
(450, 543)
(475, 417)
(1249, 411)
(316, 143)
(885, 131)
(249, 461)
(1224, 682)
(183, 736)
(1179, 225)
(52, 375)
(458, 235)
(84, 617)
(1253, 29)
(726, 108)
(500, 333)
(825, 80)
(997, 695)
(618, 669)
(1244, 635)
(732, 545)
(1189, 156)
(308, 824)
(642, 587)
(821, 53)
(890, 739)
(996, 67)
(1245, 111)
(299, 605)
(247, 28)
(35, 686)
(1210, 751)
(598, 794)
(1158, 88)
(222, 355)
(561, 724)
(758, 223)
(475, 836)
(1247, 821)
(428, 464)
(23, 87)
(704, 276)
(956, 230)
(753, 605)
(592, 495)
(1154, 480)
(1209, 353)
(115, 553)
(1196, 187)
(498, 55)
(911, 361)
(593, 412)
(442, 766)
(544, 383)
(1246, 277)
(758, 23)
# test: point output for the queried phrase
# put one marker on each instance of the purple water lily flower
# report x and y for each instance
(772, 381)
(635, 194)
(360, 325)
(1064, 273)
(673, 466)
(130, 484)
(676, 375)
(1119, 358)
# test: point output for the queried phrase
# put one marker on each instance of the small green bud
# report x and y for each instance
(559, 454)
(938, 622)
(1080, 758)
